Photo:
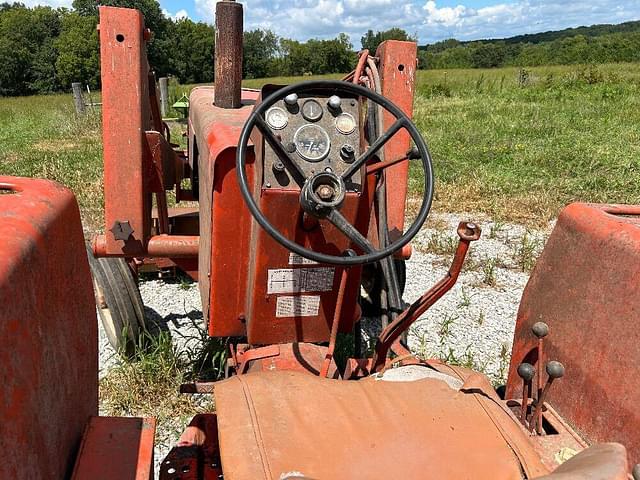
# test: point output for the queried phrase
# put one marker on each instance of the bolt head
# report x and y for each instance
(325, 192)
(540, 329)
(555, 369)
(526, 371)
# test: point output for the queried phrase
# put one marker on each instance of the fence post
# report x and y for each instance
(164, 96)
(78, 98)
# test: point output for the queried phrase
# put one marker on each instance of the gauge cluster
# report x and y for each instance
(318, 133)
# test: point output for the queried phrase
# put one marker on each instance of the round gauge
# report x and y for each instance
(277, 118)
(312, 142)
(345, 123)
(311, 110)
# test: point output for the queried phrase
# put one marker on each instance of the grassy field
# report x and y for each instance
(512, 145)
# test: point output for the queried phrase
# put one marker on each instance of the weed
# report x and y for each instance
(445, 326)
(525, 253)
(466, 360)
(441, 244)
(481, 318)
(489, 272)
(496, 229)
(504, 359)
(149, 383)
(465, 301)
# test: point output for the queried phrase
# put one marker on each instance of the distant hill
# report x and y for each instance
(551, 35)
(595, 44)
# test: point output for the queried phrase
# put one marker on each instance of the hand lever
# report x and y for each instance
(468, 232)
(526, 373)
(540, 330)
(554, 370)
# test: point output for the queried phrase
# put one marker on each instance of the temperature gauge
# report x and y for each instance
(312, 142)
(277, 118)
(311, 111)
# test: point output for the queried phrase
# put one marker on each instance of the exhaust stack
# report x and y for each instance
(228, 55)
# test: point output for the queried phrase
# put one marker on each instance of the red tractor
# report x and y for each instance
(301, 193)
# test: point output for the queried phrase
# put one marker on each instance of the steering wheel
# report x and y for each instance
(322, 193)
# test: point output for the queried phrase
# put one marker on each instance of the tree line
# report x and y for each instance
(583, 45)
(44, 50)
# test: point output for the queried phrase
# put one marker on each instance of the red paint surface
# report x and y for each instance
(585, 287)
(49, 351)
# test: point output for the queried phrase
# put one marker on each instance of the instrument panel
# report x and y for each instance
(319, 134)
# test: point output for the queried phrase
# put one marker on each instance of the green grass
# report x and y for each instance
(520, 151)
(514, 147)
(43, 137)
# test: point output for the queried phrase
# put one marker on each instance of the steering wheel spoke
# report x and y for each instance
(349, 231)
(374, 148)
(290, 164)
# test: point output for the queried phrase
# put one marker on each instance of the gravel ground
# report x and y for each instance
(472, 324)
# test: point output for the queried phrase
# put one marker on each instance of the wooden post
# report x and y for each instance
(78, 98)
(164, 96)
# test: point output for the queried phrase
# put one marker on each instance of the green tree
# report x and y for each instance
(78, 51)
(27, 55)
(260, 49)
(191, 56)
(371, 41)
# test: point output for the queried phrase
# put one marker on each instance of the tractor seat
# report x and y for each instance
(283, 424)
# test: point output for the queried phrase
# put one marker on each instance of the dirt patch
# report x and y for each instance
(56, 145)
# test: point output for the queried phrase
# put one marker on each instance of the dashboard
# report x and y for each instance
(319, 133)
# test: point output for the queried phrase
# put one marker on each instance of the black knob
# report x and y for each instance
(413, 153)
(278, 167)
(540, 329)
(526, 371)
(555, 369)
(290, 147)
(347, 153)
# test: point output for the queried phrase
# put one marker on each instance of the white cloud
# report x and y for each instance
(179, 15)
(50, 3)
(303, 19)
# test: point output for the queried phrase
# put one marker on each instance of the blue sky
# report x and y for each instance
(430, 20)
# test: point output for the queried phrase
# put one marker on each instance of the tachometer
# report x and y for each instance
(312, 142)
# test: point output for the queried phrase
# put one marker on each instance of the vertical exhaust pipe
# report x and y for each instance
(228, 57)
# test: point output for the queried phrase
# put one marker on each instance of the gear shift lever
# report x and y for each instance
(540, 330)
(526, 372)
(554, 370)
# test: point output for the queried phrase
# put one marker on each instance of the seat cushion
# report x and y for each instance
(279, 424)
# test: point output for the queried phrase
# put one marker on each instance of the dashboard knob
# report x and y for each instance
(347, 153)
(291, 100)
(334, 103)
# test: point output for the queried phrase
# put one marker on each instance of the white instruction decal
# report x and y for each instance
(300, 280)
(295, 259)
(304, 306)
